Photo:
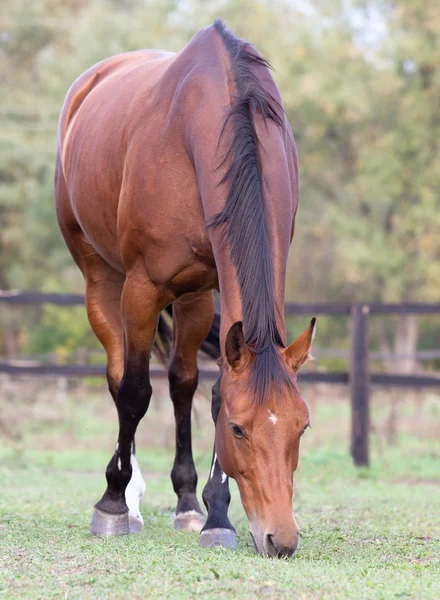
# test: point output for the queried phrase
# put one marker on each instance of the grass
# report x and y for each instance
(365, 533)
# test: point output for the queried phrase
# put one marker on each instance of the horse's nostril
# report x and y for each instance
(269, 546)
(274, 548)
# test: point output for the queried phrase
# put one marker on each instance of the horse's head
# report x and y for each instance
(257, 443)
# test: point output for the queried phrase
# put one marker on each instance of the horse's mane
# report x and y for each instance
(243, 216)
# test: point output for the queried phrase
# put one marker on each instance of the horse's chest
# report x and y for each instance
(182, 264)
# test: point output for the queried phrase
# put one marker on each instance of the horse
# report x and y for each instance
(177, 175)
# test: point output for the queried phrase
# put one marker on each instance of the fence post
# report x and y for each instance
(359, 384)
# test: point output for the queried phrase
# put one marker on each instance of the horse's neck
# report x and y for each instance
(278, 200)
(230, 293)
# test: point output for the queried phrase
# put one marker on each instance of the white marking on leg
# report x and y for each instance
(213, 466)
(215, 462)
(135, 490)
(272, 418)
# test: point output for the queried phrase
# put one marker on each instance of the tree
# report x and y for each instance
(360, 84)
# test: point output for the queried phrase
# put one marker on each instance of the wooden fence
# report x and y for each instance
(358, 377)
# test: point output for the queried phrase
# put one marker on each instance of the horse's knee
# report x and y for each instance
(133, 399)
(183, 383)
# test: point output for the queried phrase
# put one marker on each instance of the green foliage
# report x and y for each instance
(360, 83)
(367, 128)
(61, 331)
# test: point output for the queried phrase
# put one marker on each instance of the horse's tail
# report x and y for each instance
(164, 337)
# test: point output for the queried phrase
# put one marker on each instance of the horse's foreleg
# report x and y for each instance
(192, 319)
(140, 307)
(218, 530)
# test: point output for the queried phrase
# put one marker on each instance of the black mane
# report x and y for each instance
(243, 216)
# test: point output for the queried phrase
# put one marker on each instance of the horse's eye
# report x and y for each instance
(237, 431)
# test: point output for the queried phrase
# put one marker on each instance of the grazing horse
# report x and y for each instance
(177, 175)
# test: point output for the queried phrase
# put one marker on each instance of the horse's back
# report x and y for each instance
(96, 75)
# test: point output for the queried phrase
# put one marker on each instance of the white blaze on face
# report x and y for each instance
(272, 418)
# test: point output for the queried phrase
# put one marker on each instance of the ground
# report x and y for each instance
(365, 533)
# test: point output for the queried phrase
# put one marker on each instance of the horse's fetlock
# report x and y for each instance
(184, 477)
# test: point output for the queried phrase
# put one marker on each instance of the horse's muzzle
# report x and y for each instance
(279, 548)
(276, 545)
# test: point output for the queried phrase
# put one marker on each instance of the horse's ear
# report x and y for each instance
(237, 353)
(299, 351)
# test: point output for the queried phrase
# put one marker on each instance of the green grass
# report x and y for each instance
(366, 534)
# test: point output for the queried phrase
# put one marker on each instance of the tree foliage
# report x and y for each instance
(361, 86)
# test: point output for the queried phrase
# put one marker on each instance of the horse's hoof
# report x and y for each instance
(191, 520)
(226, 538)
(106, 524)
(136, 524)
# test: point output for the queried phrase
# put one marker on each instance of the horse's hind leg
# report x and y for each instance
(103, 302)
(140, 307)
(104, 287)
(192, 318)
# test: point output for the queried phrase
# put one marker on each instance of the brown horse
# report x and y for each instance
(176, 175)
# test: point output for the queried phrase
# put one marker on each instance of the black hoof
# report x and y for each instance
(226, 538)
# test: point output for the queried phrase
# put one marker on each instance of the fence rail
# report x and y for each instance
(18, 297)
(358, 377)
(25, 367)
(292, 308)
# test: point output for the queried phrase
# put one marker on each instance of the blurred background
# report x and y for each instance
(360, 83)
